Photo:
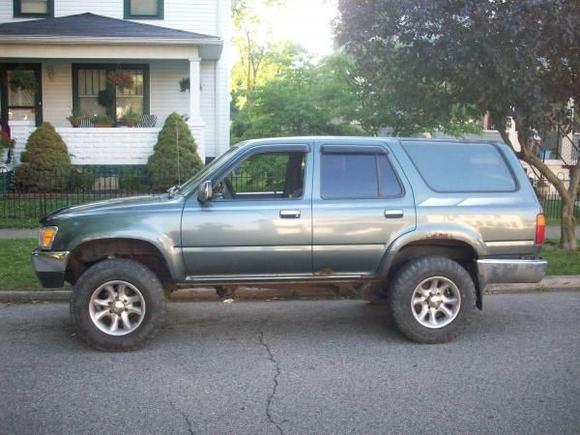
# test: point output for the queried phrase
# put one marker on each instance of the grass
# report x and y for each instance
(561, 262)
(19, 223)
(16, 268)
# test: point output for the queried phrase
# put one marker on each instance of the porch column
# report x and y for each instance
(195, 122)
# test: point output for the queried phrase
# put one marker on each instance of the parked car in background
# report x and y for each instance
(431, 223)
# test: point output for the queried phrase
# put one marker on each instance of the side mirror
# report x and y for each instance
(205, 192)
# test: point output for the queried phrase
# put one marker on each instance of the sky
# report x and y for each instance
(306, 22)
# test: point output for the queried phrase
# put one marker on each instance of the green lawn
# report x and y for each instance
(561, 262)
(16, 267)
(20, 223)
(15, 264)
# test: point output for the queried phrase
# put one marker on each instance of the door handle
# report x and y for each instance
(394, 214)
(289, 214)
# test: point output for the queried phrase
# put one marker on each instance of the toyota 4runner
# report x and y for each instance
(429, 223)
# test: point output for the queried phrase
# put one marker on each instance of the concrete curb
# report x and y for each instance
(551, 283)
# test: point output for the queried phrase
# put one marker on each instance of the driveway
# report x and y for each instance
(297, 367)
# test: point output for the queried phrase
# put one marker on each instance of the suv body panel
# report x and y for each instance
(351, 236)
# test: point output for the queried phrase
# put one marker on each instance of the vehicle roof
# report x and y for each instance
(359, 139)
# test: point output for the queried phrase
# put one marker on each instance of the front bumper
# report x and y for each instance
(505, 271)
(50, 267)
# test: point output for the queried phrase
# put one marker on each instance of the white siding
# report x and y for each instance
(194, 16)
(207, 105)
(109, 146)
(56, 92)
(166, 97)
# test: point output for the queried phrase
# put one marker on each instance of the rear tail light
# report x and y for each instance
(540, 229)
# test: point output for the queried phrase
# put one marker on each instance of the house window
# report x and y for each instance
(33, 8)
(111, 90)
(144, 9)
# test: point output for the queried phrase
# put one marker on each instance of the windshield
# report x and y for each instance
(186, 187)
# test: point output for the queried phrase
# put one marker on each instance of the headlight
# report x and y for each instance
(46, 237)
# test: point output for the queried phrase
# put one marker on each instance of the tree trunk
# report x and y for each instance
(568, 229)
(567, 196)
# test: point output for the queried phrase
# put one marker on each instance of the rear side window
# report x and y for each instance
(351, 176)
(457, 167)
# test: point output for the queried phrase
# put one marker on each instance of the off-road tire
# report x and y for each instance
(125, 270)
(409, 276)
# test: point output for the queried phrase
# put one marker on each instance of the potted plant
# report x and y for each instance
(184, 84)
(75, 118)
(542, 188)
(22, 79)
(102, 121)
(130, 117)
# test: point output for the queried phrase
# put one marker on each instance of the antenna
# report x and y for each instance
(178, 162)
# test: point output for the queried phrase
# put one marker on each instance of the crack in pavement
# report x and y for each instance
(185, 416)
(275, 380)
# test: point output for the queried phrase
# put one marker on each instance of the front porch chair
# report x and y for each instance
(86, 123)
(147, 121)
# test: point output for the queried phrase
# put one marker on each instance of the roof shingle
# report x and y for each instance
(89, 25)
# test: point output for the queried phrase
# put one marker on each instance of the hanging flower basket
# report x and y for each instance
(22, 79)
(121, 79)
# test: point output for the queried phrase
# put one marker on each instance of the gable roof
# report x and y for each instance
(90, 28)
(89, 25)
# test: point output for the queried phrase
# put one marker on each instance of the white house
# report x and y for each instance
(110, 57)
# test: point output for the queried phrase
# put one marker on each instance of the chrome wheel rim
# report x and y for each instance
(117, 308)
(436, 302)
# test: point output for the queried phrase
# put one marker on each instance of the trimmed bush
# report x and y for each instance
(162, 165)
(45, 162)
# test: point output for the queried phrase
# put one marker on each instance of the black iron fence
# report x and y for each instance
(28, 197)
(552, 205)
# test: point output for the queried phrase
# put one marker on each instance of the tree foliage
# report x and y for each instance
(427, 63)
(260, 58)
(174, 157)
(303, 99)
(45, 162)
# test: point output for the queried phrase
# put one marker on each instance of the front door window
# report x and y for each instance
(20, 93)
(21, 98)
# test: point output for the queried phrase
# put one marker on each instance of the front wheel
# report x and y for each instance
(431, 299)
(117, 305)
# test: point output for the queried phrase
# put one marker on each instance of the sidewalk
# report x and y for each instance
(10, 233)
(552, 232)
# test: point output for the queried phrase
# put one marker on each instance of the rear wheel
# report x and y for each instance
(117, 305)
(431, 299)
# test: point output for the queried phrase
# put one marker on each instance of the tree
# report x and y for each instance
(305, 99)
(174, 157)
(259, 58)
(45, 162)
(446, 63)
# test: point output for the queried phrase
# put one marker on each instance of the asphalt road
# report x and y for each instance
(297, 367)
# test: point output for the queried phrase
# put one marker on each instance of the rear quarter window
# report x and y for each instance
(458, 167)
